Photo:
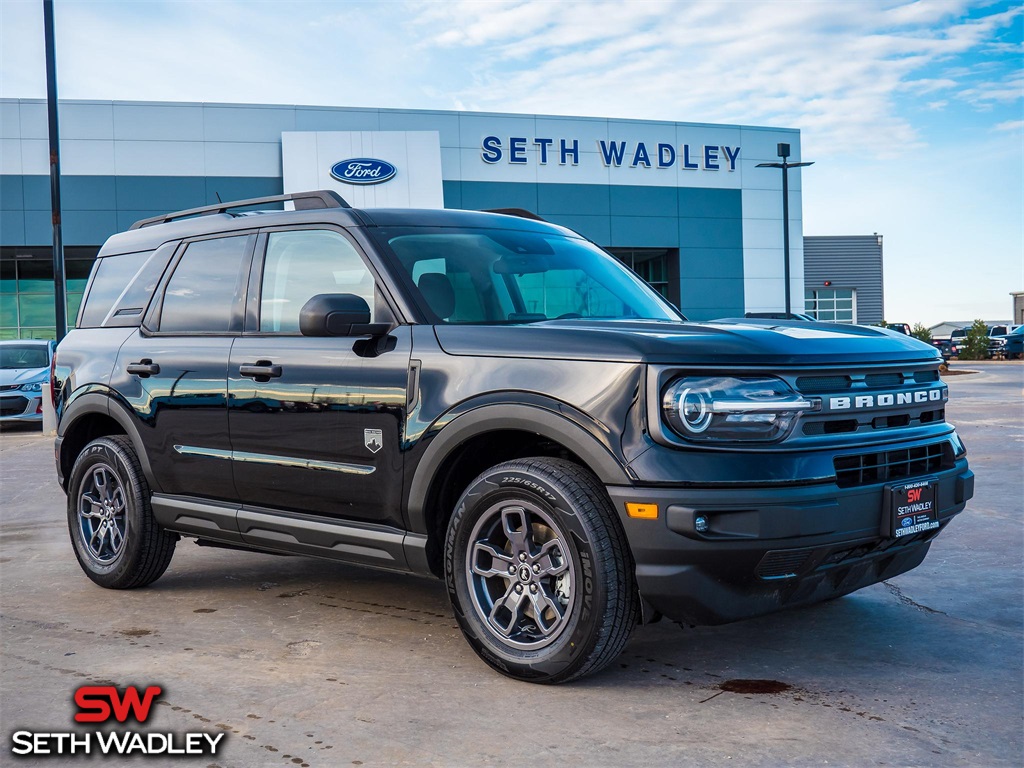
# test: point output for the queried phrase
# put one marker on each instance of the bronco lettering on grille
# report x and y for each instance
(887, 399)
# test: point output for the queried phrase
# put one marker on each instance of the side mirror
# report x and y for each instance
(338, 314)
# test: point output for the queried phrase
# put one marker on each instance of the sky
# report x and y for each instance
(911, 111)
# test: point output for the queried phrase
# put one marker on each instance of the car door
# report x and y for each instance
(172, 372)
(316, 422)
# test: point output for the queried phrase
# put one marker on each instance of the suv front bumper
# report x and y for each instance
(771, 547)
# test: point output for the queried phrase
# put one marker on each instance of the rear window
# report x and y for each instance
(111, 275)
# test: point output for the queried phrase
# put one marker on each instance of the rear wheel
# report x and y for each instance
(116, 539)
(539, 571)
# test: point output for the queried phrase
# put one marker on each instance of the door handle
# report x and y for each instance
(261, 370)
(144, 368)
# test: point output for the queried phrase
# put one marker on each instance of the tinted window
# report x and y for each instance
(202, 293)
(14, 356)
(303, 264)
(111, 275)
(506, 276)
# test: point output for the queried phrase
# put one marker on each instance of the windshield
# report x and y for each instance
(462, 275)
(24, 356)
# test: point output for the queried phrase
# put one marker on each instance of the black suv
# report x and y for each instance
(495, 401)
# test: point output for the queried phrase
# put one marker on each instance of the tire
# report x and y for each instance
(539, 571)
(116, 539)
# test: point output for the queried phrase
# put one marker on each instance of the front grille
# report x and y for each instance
(782, 563)
(8, 387)
(883, 380)
(825, 383)
(837, 427)
(812, 384)
(12, 406)
(883, 466)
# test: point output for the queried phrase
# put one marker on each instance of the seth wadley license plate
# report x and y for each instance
(913, 508)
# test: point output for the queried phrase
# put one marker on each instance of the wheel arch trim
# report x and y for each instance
(507, 416)
(100, 403)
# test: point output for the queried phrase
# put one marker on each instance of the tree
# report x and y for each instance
(975, 342)
(921, 333)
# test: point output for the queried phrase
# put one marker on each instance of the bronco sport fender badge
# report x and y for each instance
(373, 439)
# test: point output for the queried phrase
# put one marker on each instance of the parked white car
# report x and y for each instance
(24, 378)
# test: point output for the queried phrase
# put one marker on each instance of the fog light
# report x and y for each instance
(700, 524)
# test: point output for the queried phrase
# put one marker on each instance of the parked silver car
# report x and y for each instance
(24, 378)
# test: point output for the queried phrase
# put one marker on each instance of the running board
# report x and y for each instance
(294, 533)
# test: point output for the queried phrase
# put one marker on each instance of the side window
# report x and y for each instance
(302, 264)
(111, 275)
(203, 291)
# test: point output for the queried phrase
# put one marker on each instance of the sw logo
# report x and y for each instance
(101, 704)
(914, 495)
(96, 703)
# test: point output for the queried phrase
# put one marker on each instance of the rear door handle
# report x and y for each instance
(261, 370)
(144, 368)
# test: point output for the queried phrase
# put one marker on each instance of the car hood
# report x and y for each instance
(722, 342)
(10, 376)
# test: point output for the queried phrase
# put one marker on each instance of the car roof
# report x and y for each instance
(152, 235)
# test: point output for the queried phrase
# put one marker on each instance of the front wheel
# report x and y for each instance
(539, 571)
(116, 539)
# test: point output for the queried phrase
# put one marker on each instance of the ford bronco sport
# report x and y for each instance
(494, 401)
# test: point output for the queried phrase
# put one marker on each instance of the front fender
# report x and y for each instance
(552, 420)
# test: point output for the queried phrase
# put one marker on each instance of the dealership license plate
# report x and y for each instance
(913, 507)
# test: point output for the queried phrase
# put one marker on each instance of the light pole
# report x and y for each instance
(785, 165)
(59, 300)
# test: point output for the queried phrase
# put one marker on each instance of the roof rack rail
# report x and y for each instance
(323, 198)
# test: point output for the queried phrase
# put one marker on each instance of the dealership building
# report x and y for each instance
(681, 203)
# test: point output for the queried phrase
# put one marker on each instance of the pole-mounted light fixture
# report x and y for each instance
(785, 165)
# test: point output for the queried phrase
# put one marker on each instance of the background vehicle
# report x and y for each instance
(1007, 345)
(956, 340)
(944, 346)
(24, 376)
(496, 402)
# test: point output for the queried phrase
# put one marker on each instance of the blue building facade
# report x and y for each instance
(682, 203)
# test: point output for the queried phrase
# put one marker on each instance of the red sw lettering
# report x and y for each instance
(92, 701)
(914, 494)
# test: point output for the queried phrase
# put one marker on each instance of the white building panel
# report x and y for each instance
(416, 156)
(10, 157)
(151, 122)
(159, 158)
(35, 157)
(86, 157)
(82, 120)
(446, 124)
(238, 158)
(10, 120)
(247, 124)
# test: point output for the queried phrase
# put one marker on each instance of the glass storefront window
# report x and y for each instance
(26, 290)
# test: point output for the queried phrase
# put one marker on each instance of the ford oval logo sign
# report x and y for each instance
(363, 170)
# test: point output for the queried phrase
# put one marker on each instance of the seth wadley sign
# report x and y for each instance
(705, 157)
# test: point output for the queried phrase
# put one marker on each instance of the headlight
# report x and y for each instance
(726, 408)
(32, 386)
